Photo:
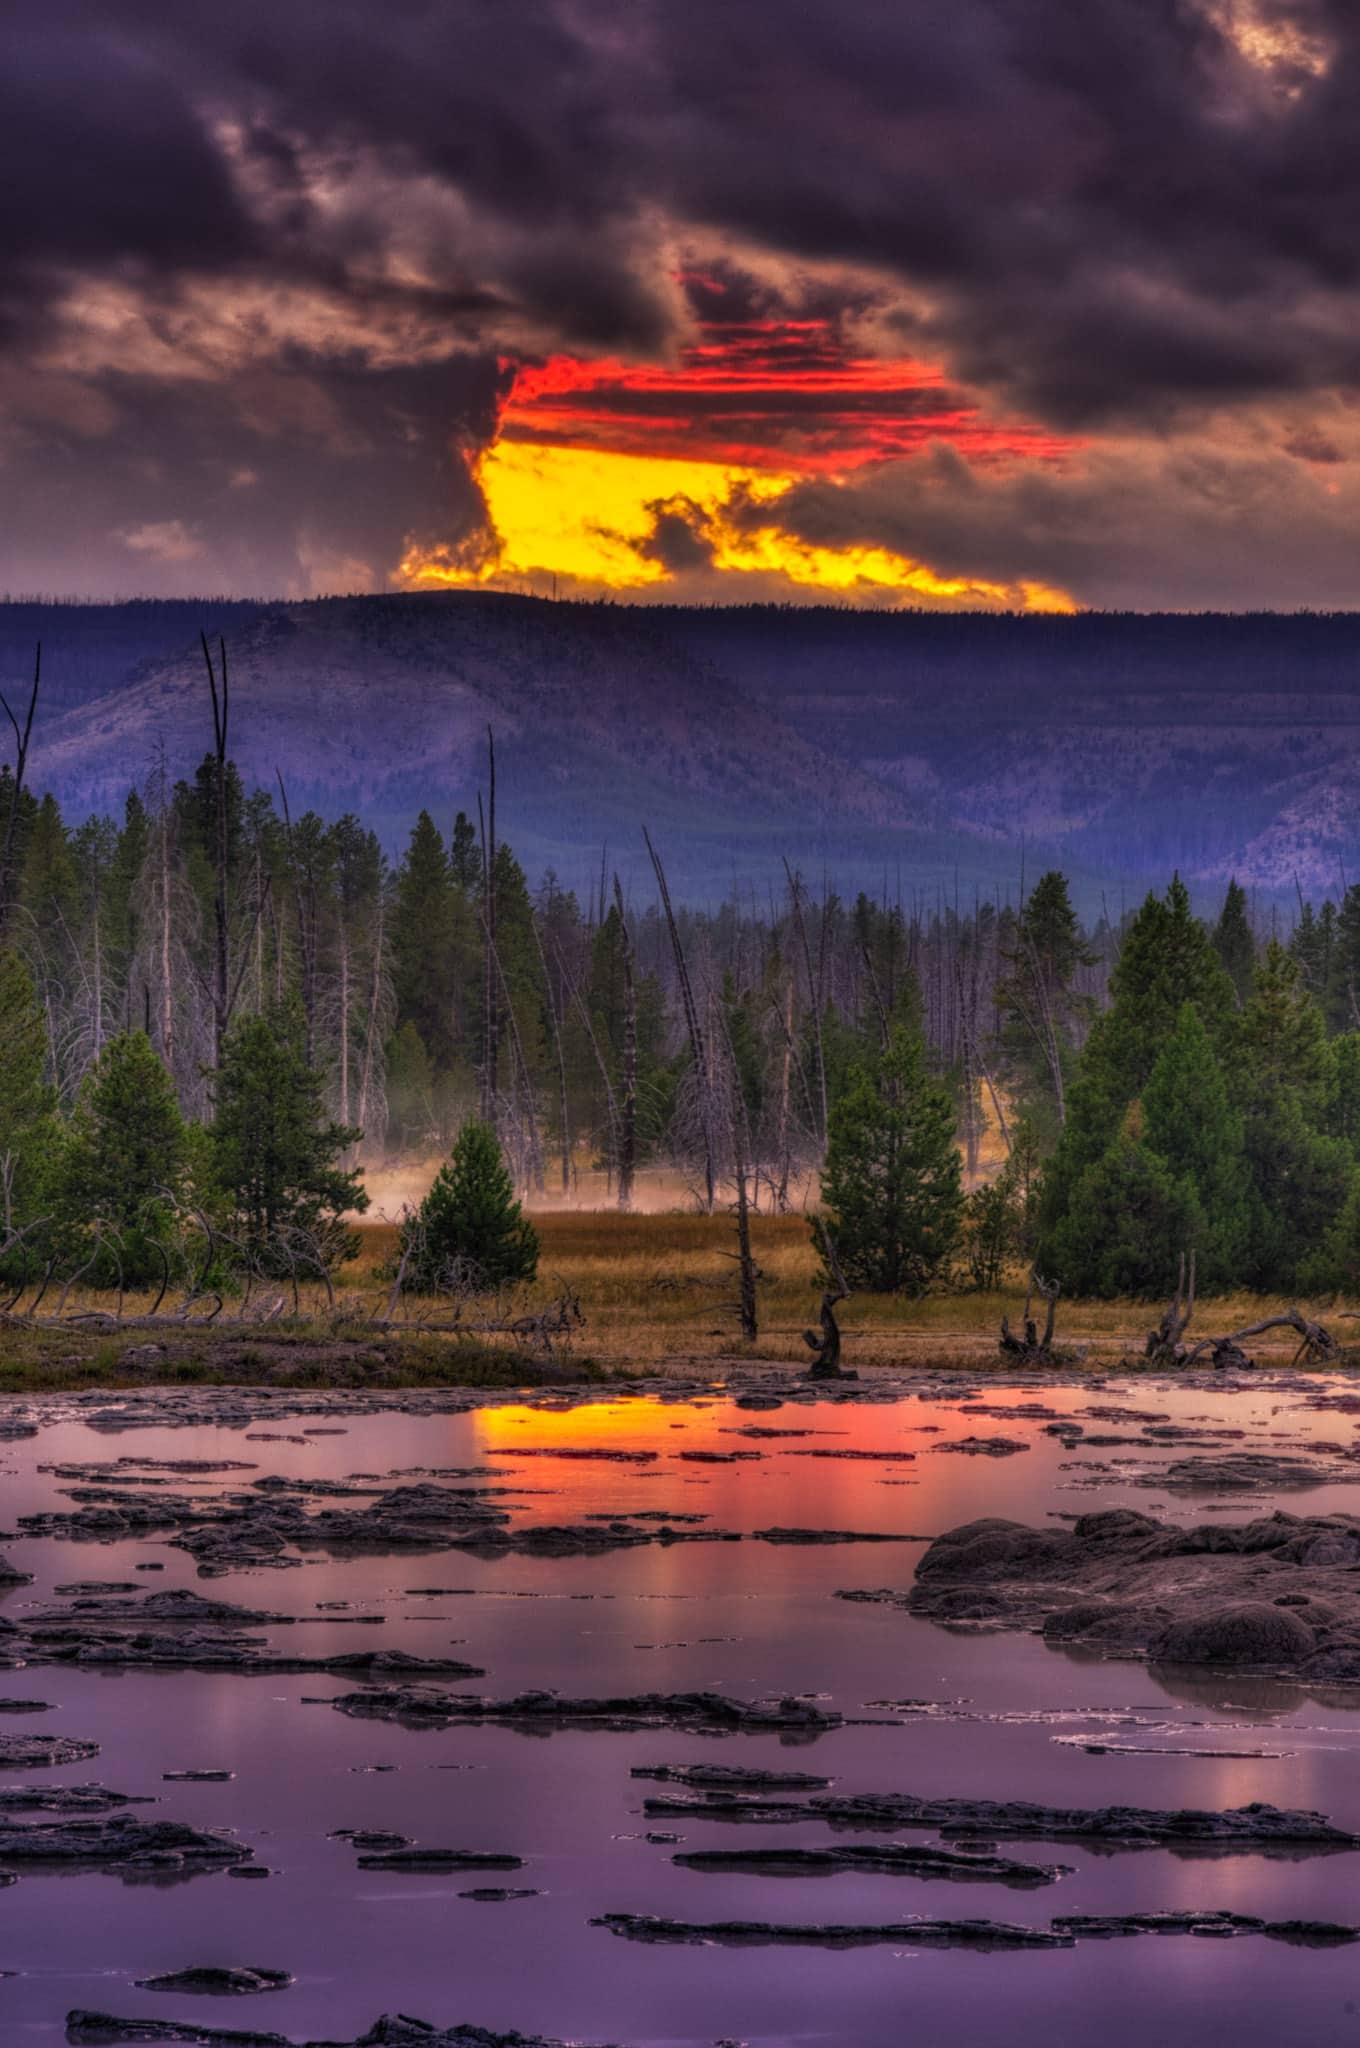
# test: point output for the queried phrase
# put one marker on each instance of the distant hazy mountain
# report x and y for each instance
(926, 752)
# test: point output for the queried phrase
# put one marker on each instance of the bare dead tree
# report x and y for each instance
(559, 1055)
(628, 1105)
(1316, 1343)
(490, 1020)
(814, 999)
(302, 874)
(1030, 1345)
(220, 713)
(22, 736)
(696, 1037)
(826, 1344)
(1164, 1344)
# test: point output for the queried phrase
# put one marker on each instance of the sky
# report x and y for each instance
(1001, 303)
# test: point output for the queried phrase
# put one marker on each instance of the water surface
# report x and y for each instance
(994, 1715)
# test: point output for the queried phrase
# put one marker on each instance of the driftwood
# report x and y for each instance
(1030, 1345)
(1164, 1344)
(1315, 1341)
(826, 1347)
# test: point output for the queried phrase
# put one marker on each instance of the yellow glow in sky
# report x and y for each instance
(586, 514)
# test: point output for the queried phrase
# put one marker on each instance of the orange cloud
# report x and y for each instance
(624, 477)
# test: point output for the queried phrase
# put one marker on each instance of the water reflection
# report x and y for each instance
(989, 1715)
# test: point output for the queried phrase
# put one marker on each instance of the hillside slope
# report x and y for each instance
(927, 752)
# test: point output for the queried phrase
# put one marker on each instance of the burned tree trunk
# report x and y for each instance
(490, 1019)
(220, 707)
(814, 1000)
(1029, 1345)
(550, 997)
(628, 1106)
(696, 1036)
(22, 735)
(1315, 1342)
(826, 1346)
(1164, 1344)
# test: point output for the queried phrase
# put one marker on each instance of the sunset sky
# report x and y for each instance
(1013, 303)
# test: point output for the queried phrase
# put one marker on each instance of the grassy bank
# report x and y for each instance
(657, 1293)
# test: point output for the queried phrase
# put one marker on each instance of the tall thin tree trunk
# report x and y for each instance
(696, 1036)
(220, 935)
(8, 887)
(490, 1019)
(167, 988)
(371, 1025)
(628, 1108)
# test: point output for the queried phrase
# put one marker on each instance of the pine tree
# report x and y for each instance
(469, 1223)
(1129, 1221)
(29, 1133)
(1234, 940)
(1041, 1012)
(422, 927)
(1299, 1175)
(891, 1184)
(1167, 960)
(275, 1152)
(123, 1162)
(1189, 1122)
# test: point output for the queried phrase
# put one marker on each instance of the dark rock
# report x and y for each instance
(731, 1777)
(984, 1446)
(27, 1752)
(893, 1859)
(972, 1934)
(120, 1844)
(1211, 1925)
(834, 1536)
(440, 1859)
(1249, 1633)
(1253, 1829)
(1279, 1595)
(394, 2030)
(423, 1706)
(65, 1799)
(212, 1982)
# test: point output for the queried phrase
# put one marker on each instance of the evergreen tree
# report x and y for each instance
(1235, 942)
(1129, 1221)
(1342, 1118)
(1192, 1127)
(465, 860)
(1299, 1175)
(1041, 1014)
(1342, 988)
(123, 1163)
(422, 927)
(29, 1133)
(891, 1184)
(1168, 959)
(276, 1155)
(470, 1223)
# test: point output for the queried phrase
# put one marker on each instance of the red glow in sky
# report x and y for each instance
(772, 392)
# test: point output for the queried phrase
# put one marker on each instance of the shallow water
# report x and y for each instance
(1005, 1717)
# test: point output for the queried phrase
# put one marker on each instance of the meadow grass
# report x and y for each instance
(658, 1291)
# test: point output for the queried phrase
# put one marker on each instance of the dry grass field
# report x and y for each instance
(657, 1289)
(661, 1287)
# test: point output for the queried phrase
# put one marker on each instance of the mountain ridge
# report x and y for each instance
(911, 750)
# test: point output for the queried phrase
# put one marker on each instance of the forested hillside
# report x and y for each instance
(933, 751)
(220, 999)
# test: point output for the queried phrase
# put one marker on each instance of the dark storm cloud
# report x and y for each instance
(293, 239)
